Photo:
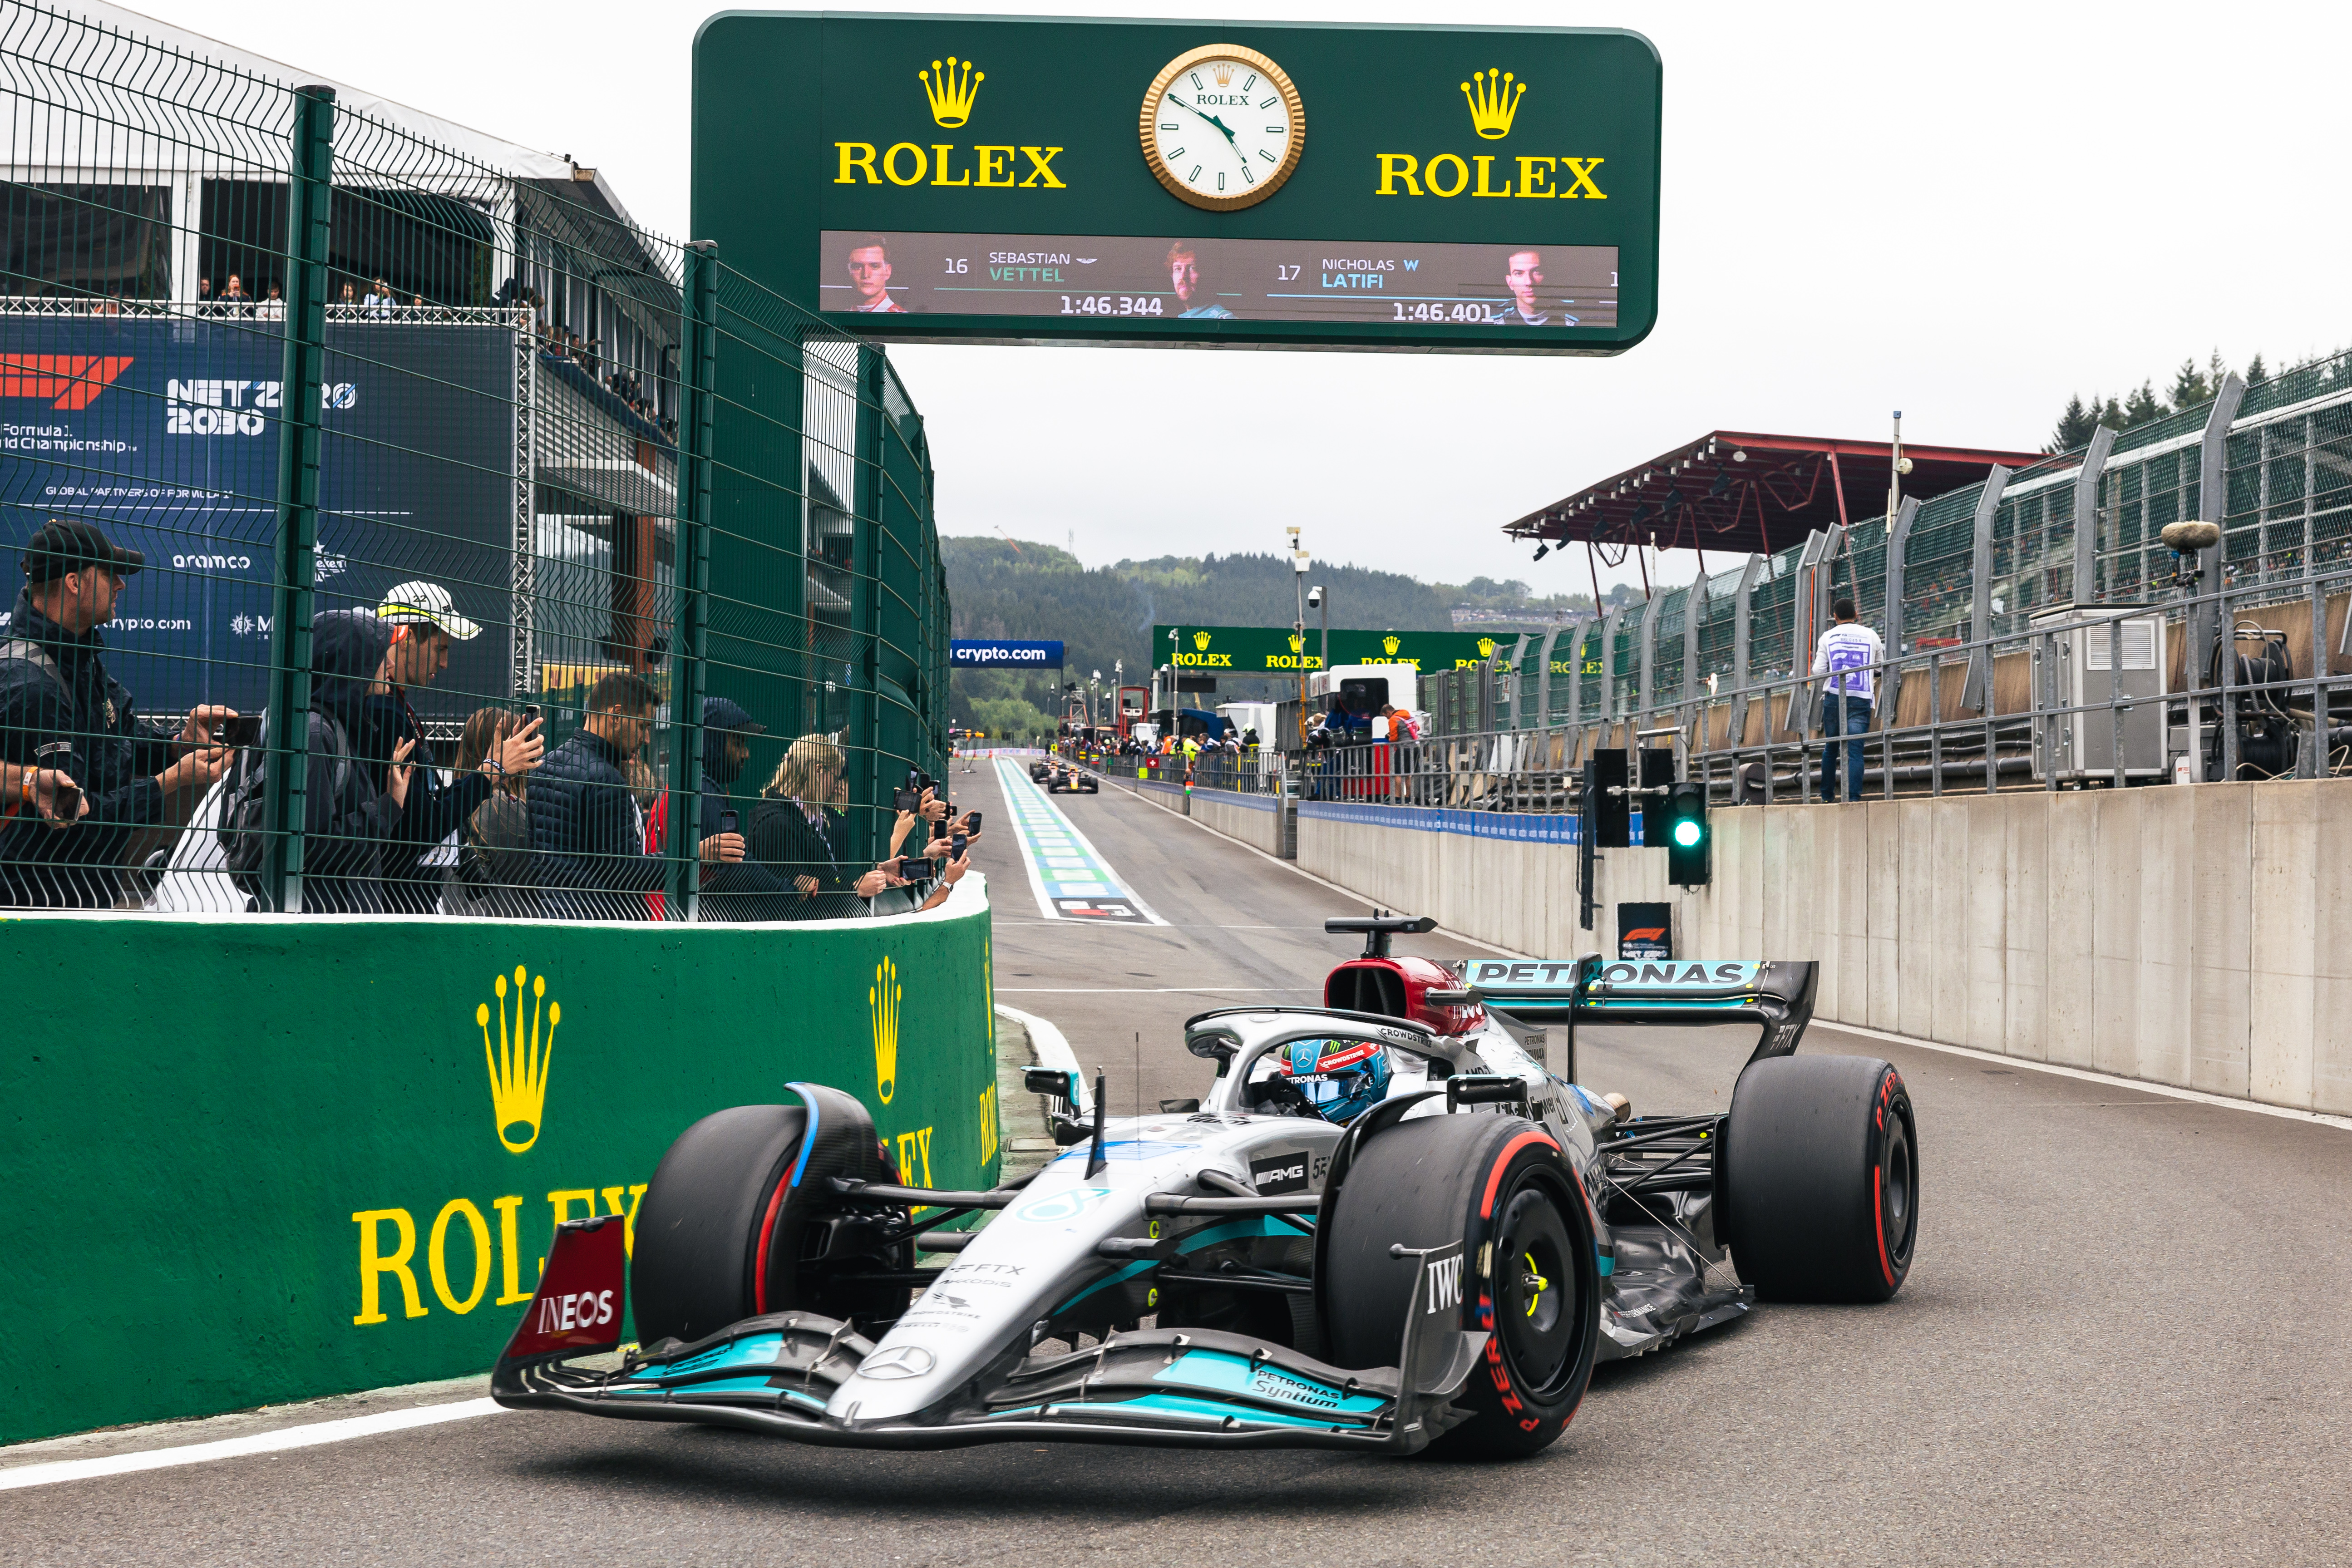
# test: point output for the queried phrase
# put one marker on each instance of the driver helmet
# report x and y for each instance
(1341, 1078)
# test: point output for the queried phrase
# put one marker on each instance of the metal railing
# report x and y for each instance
(480, 534)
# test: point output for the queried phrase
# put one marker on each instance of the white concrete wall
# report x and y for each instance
(2177, 935)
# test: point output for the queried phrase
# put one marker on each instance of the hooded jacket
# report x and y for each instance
(116, 756)
(585, 822)
(348, 816)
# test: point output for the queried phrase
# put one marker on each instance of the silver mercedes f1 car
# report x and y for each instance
(1388, 1225)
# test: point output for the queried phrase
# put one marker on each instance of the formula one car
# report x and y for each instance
(1386, 1225)
(1065, 779)
(1039, 769)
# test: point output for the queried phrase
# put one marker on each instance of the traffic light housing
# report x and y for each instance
(1690, 844)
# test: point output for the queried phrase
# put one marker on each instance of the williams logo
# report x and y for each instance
(950, 98)
(518, 1063)
(883, 997)
(1492, 103)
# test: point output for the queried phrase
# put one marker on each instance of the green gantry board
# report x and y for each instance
(1278, 650)
(970, 179)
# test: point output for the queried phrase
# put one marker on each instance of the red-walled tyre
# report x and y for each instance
(723, 1232)
(1820, 1178)
(1500, 1186)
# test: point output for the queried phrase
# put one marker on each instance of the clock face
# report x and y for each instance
(1222, 127)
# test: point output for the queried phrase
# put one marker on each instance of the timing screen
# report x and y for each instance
(1537, 287)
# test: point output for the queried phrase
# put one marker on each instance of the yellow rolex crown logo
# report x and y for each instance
(1223, 71)
(883, 997)
(1296, 642)
(1389, 644)
(1200, 641)
(1485, 647)
(518, 1063)
(951, 95)
(1493, 100)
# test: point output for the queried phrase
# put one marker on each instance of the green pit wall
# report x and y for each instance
(211, 1122)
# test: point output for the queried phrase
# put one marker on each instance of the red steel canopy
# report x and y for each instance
(1737, 491)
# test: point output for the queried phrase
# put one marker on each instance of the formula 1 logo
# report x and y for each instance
(70, 381)
(1445, 1284)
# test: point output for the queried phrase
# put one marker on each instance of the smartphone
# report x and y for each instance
(245, 730)
(726, 822)
(956, 846)
(530, 712)
(915, 867)
(971, 822)
(909, 796)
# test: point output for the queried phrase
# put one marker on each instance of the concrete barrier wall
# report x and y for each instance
(1253, 819)
(262, 1159)
(2179, 934)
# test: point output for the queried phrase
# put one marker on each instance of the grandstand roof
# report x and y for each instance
(1740, 490)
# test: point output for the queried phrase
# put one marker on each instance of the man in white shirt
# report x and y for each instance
(1845, 653)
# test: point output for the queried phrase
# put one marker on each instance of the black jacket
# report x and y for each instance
(115, 759)
(349, 819)
(435, 810)
(786, 845)
(590, 834)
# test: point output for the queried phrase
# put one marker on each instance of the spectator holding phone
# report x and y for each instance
(352, 812)
(425, 627)
(494, 873)
(584, 818)
(733, 888)
(71, 724)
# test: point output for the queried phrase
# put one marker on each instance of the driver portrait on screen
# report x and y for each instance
(869, 274)
(1523, 276)
(1192, 290)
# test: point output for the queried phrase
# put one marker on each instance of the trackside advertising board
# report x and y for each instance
(164, 433)
(299, 1157)
(976, 653)
(998, 179)
(1278, 650)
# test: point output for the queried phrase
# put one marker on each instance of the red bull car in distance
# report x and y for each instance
(1386, 1225)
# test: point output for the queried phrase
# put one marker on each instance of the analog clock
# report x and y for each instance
(1222, 127)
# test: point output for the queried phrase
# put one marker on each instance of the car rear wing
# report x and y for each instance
(1777, 995)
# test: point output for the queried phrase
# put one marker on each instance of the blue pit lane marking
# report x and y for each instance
(1064, 867)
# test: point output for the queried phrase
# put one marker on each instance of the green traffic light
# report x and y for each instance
(1688, 834)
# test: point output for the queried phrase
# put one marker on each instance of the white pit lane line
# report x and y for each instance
(1067, 872)
(283, 1438)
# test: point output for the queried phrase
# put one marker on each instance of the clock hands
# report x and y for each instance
(1228, 135)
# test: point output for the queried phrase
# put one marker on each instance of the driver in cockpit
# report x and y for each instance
(1337, 1080)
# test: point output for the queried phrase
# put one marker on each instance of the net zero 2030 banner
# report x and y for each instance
(947, 178)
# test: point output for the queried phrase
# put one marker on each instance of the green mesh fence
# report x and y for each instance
(478, 533)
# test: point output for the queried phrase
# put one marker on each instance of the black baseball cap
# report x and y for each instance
(66, 545)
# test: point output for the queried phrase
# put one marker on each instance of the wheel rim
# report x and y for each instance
(1898, 1192)
(1538, 1299)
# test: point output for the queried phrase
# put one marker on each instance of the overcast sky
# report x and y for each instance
(1966, 212)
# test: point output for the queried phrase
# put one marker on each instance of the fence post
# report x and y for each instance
(1976, 691)
(691, 574)
(2213, 507)
(2086, 514)
(310, 201)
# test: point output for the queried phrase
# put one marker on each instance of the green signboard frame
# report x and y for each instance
(1014, 149)
(1278, 650)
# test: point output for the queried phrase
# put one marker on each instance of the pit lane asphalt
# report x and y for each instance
(2124, 1342)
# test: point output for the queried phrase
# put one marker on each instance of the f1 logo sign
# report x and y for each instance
(70, 381)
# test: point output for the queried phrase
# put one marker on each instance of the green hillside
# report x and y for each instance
(1106, 614)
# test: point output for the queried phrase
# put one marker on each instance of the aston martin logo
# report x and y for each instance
(519, 1062)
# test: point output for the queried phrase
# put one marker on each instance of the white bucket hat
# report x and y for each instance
(425, 604)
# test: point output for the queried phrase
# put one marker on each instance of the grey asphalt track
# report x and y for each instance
(2124, 1342)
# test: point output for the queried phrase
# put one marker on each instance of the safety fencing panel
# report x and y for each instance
(412, 534)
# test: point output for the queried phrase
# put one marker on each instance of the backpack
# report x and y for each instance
(244, 836)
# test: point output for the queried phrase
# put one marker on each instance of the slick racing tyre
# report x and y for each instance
(1499, 1185)
(723, 1232)
(1820, 1178)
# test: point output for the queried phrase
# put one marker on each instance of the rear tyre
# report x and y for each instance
(1821, 1178)
(737, 1222)
(1499, 1184)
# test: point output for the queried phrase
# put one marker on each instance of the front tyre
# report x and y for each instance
(1500, 1184)
(1821, 1178)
